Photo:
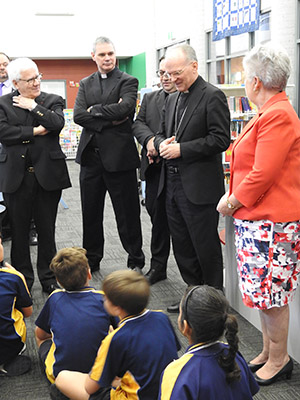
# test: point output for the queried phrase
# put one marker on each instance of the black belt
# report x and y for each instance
(30, 169)
(172, 169)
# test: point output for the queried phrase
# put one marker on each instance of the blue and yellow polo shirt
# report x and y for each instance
(14, 295)
(198, 375)
(78, 323)
(137, 352)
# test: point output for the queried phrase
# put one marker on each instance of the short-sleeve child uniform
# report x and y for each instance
(78, 323)
(137, 352)
(198, 375)
(14, 295)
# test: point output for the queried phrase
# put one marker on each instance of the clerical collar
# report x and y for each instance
(191, 88)
(105, 76)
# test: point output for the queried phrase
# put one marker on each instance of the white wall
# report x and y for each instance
(174, 21)
(195, 17)
(24, 34)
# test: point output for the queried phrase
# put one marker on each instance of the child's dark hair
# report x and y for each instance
(70, 267)
(205, 309)
(128, 290)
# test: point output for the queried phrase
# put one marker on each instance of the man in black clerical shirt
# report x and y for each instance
(108, 156)
(191, 146)
(145, 127)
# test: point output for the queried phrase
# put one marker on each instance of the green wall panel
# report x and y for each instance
(135, 66)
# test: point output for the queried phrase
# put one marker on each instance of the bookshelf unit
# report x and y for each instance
(241, 111)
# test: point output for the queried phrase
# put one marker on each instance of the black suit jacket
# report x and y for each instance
(147, 123)
(203, 135)
(116, 143)
(16, 136)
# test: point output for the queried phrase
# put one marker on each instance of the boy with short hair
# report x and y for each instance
(15, 305)
(73, 321)
(137, 351)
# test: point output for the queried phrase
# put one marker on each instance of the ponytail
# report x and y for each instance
(227, 358)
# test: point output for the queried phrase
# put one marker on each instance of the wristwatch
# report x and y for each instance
(230, 205)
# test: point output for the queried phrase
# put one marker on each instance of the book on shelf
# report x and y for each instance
(236, 126)
(240, 105)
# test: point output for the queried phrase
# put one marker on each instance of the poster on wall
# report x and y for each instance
(233, 17)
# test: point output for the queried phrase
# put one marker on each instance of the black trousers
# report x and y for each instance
(195, 239)
(156, 207)
(122, 187)
(32, 200)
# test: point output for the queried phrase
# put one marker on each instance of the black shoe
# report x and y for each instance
(286, 370)
(255, 367)
(33, 237)
(174, 308)
(137, 269)
(154, 276)
(50, 288)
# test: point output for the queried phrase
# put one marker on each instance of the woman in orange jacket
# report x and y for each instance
(264, 199)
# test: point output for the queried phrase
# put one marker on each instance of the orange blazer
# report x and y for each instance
(265, 166)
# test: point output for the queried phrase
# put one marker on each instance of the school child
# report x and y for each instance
(209, 369)
(73, 321)
(15, 305)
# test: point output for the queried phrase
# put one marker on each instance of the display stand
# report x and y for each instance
(70, 135)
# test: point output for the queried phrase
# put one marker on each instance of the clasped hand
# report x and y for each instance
(169, 149)
(151, 152)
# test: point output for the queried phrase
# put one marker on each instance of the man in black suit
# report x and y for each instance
(195, 131)
(108, 156)
(33, 169)
(5, 88)
(145, 127)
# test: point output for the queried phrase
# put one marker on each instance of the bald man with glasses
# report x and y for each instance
(33, 169)
(195, 131)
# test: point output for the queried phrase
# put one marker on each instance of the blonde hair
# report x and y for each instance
(70, 267)
(128, 290)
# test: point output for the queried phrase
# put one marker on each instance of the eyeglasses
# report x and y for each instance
(161, 73)
(32, 80)
(176, 74)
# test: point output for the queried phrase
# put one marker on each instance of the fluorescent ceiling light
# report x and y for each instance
(53, 14)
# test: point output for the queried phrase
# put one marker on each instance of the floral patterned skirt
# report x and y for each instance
(268, 258)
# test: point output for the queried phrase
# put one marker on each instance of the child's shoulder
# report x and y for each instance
(81, 293)
(7, 273)
(157, 314)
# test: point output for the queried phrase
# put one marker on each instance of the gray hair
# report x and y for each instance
(18, 65)
(270, 63)
(5, 55)
(186, 49)
(102, 39)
